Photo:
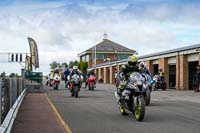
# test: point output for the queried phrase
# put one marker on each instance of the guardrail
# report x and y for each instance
(10, 117)
(12, 91)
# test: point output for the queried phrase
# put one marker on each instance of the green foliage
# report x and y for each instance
(3, 74)
(73, 63)
(83, 66)
(54, 65)
(65, 65)
(12, 75)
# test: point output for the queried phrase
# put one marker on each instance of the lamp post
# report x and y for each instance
(95, 55)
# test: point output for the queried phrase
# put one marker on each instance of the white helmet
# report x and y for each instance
(142, 65)
(75, 67)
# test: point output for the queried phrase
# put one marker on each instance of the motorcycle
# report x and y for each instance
(55, 82)
(75, 84)
(159, 84)
(91, 82)
(147, 95)
(132, 98)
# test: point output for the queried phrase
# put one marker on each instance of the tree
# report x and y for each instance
(12, 75)
(83, 66)
(3, 74)
(73, 63)
(54, 65)
(65, 64)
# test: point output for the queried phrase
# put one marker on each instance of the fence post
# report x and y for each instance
(4, 98)
(13, 91)
(19, 86)
(23, 84)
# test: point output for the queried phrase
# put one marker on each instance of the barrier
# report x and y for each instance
(9, 120)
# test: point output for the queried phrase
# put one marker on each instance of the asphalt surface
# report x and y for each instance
(36, 116)
(98, 112)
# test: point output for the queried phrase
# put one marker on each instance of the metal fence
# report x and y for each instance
(10, 89)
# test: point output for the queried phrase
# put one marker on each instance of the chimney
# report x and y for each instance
(105, 36)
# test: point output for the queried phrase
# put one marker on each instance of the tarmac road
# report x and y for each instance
(97, 112)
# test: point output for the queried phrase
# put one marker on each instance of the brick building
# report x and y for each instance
(179, 66)
(105, 51)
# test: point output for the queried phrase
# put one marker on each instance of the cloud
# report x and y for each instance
(64, 29)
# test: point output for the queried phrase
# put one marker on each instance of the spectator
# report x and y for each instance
(100, 79)
(66, 74)
(115, 75)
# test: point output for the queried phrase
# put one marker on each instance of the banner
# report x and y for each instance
(28, 63)
(34, 52)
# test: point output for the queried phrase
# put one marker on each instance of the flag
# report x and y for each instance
(28, 63)
(34, 52)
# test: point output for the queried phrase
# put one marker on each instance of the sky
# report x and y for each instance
(64, 28)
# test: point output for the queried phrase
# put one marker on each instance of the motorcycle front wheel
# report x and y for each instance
(139, 108)
(122, 110)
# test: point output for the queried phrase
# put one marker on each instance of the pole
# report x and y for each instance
(178, 71)
(95, 54)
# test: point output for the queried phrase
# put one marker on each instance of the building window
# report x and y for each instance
(100, 56)
(122, 56)
(85, 58)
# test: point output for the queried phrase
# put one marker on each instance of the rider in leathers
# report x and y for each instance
(90, 72)
(126, 70)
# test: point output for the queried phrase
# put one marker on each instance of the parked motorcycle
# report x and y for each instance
(91, 82)
(55, 82)
(159, 84)
(132, 98)
(75, 84)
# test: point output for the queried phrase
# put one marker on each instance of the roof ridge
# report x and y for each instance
(113, 43)
(120, 45)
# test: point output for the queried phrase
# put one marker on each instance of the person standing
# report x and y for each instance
(66, 74)
(115, 75)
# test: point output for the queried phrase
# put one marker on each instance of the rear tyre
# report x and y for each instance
(76, 95)
(72, 92)
(76, 89)
(92, 86)
(153, 87)
(148, 97)
(89, 88)
(56, 87)
(164, 86)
